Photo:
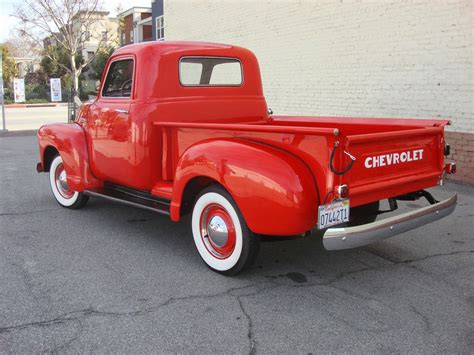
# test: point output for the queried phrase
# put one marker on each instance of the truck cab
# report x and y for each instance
(138, 90)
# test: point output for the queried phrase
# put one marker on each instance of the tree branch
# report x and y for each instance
(64, 21)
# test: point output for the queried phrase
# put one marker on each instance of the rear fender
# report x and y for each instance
(274, 189)
(70, 141)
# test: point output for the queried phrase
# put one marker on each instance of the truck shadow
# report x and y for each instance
(297, 260)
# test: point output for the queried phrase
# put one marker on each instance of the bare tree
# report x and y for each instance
(21, 45)
(65, 23)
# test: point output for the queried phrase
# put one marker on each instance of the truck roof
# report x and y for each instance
(170, 47)
(158, 62)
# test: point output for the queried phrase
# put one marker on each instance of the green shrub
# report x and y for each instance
(37, 101)
(37, 92)
(8, 94)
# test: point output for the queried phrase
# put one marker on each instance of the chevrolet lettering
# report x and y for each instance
(393, 158)
(183, 128)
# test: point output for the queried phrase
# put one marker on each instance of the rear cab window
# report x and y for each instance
(210, 71)
(119, 80)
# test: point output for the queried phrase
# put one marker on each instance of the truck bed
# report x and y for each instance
(411, 149)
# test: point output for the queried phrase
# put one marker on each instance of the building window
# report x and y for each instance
(90, 55)
(87, 36)
(131, 36)
(160, 28)
(210, 71)
(104, 36)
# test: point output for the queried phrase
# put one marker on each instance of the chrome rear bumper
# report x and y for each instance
(357, 236)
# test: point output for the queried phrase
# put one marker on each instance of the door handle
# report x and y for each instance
(119, 110)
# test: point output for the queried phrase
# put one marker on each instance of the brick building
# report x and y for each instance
(135, 25)
(142, 24)
(372, 59)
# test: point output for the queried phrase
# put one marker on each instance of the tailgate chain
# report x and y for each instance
(331, 158)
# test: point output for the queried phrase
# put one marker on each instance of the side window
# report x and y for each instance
(210, 71)
(119, 79)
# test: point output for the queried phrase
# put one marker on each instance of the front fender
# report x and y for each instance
(274, 189)
(70, 141)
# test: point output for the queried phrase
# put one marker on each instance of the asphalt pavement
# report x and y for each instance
(111, 278)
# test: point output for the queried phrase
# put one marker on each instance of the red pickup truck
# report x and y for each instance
(183, 127)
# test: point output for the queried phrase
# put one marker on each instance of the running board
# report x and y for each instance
(131, 197)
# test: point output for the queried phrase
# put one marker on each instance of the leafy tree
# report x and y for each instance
(56, 62)
(98, 65)
(8, 65)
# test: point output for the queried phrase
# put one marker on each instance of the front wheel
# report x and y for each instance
(220, 233)
(65, 196)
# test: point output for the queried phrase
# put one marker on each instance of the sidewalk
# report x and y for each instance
(46, 104)
(33, 117)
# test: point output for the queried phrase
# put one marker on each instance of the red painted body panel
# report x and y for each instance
(70, 141)
(271, 187)
(277, 168)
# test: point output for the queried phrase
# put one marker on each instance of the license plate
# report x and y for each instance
(336, 212)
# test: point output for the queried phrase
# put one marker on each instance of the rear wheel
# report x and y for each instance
(65, 196)
(221, 236)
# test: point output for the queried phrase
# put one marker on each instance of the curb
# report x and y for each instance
(33, 105)
(29, 132)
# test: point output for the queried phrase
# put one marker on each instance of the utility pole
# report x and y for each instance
(2, 102)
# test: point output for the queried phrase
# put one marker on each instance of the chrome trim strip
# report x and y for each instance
(357, 236)
(107, 197)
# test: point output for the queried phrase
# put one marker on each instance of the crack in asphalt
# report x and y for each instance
(79, 315)
(423, 318)
(435, 256)
(66, 344)
(250, 323)
(250, 335)
(27, 279)
(408, 261)
(27, 212)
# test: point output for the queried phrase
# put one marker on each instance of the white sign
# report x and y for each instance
(55, 84)
(19, 89)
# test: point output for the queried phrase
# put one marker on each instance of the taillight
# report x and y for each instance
(447, 149)
(450, 168)
(342, 191)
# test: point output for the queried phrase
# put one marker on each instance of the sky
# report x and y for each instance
(7, 22)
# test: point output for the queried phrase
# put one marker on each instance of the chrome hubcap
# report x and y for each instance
(217, 231)
(61, 182)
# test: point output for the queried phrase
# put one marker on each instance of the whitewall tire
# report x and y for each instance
(220, 233)
(65, 196)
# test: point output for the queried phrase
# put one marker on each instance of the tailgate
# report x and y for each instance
(393, 163)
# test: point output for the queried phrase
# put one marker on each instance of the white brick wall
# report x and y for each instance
(373, 59)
